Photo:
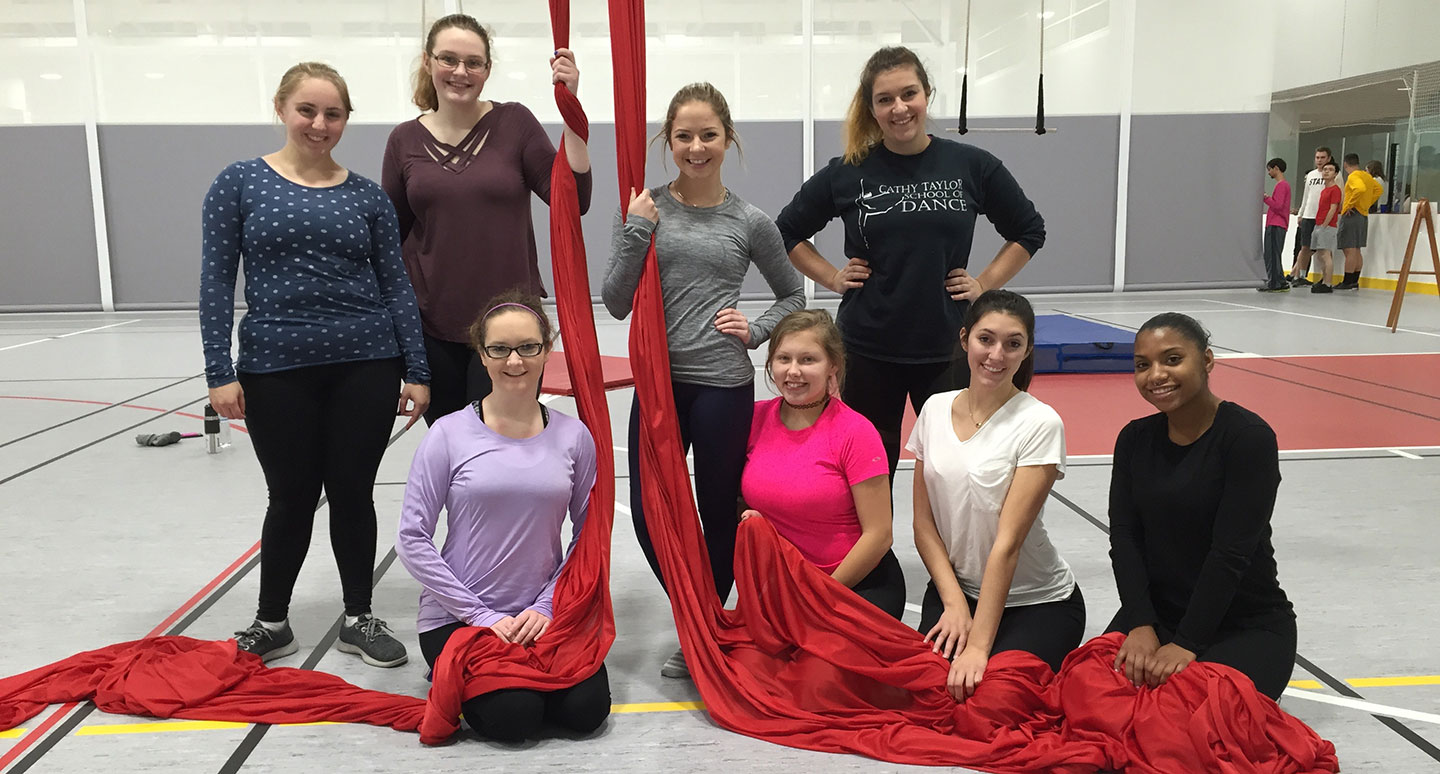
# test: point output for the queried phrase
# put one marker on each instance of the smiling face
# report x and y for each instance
(1170, 368)
(899, 103)
(514, 328)
(995, 347)
(801, 369)
(698, 141)
(314, 116)
(459, 64)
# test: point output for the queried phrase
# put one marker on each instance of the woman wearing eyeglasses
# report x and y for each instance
(506, 470)
(461, 176)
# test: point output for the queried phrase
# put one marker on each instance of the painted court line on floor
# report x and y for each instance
(1330, 319)
(68, 335)
(1364, 706)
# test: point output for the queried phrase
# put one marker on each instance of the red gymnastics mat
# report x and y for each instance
(614, 371)
(1322, 402)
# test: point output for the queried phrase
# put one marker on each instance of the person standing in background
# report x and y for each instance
(1277, 222)
(1309, 203)
(1323, 237)
(1361, 191)
(461, 176)
(330, 351)
(1377, 171)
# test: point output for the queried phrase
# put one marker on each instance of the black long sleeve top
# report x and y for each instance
(1190, 527)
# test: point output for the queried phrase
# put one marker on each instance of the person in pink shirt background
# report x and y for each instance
(816, 468)
(1277, 221)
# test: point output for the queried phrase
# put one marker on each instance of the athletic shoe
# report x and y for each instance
(369, 638)
(1279, 289)
(1300, 282)
(675, 666)
(268, 645)
(1348, 285)
(1321, 287)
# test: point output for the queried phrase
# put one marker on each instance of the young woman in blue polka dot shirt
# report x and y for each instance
(330, 350)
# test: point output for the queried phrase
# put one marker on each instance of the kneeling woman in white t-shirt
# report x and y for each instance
(986, 457)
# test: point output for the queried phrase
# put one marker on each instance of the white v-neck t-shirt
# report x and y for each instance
(968, 481)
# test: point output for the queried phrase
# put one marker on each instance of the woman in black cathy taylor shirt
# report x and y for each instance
(1191, 496)
(908, 202)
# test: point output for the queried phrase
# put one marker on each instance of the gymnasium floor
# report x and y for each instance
(105, 541)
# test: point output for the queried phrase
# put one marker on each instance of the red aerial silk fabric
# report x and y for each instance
(803, 661)
(800, 661)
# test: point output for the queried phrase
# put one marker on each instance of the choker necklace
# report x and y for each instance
(805, 406)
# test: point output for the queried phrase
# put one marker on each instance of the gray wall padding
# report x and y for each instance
(1195, 216)
(1187, 223)
(47, 224)
(1069, 175)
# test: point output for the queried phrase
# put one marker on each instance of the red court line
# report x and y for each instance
(157, 410)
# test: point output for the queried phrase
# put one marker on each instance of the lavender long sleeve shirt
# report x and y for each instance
(505, 501)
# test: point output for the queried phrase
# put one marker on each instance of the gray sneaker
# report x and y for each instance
(370, 639)
(675, 666)
(266, 644)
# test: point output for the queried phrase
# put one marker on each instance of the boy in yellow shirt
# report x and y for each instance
(1361, 191)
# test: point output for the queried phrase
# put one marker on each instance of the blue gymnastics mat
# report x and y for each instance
(1067, 345)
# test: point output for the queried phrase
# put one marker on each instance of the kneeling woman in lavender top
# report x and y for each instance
(506, 471)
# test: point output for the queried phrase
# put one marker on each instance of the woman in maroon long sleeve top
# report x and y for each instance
(461, 176)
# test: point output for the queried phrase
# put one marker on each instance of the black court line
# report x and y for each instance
(1421, 414)
(1377, 455)
(1136, 328)
(257, 733)
(1403, 730)
(103, 409)
(1283, 361)
(101, 439)
(63, 730)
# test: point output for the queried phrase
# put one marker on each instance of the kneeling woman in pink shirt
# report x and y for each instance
(506, 471)
(817, 469)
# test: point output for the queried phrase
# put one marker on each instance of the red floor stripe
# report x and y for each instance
(156, 409)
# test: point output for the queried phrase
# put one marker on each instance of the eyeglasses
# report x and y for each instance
(451, 62)
(502, 352)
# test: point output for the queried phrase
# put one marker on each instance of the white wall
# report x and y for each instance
(1325, 40)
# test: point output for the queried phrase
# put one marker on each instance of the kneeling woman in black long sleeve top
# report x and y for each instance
(1191, 495)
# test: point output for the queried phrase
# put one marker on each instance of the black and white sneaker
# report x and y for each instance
(369, 638)
(268, 645)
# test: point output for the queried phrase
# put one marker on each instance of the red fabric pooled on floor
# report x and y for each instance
(180, 677)
(1209, 717)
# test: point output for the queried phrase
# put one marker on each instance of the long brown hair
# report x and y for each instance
(425, 96)
(861, 130)
(507, 301)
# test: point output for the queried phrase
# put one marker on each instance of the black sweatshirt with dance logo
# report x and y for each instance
(913, 219)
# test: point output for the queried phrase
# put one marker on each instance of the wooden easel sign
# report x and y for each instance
(1422, 214)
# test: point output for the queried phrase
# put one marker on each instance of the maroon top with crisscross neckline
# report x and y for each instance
(465, 212)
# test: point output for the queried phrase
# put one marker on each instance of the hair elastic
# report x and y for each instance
(521, 306)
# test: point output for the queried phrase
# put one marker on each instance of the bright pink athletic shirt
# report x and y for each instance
(800, 479)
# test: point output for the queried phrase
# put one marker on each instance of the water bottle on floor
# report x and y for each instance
(212, 430)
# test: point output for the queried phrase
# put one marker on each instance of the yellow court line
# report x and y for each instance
(1394, 682)
(658, 706)
(14, 733)
(1313, 685)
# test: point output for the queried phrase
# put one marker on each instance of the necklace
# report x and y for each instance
(805, 406)
(970, 409)
(724, 196)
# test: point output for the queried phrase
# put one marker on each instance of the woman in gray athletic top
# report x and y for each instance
(706, 238)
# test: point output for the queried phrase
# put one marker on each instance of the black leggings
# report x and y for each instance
(884, 587)
(324, 425)
(1265, 654)
(457, 377)
(1049, 630)
(715, 422)
(516, 714)
(877, 390)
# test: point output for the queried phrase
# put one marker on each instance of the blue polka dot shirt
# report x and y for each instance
(324, 281)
